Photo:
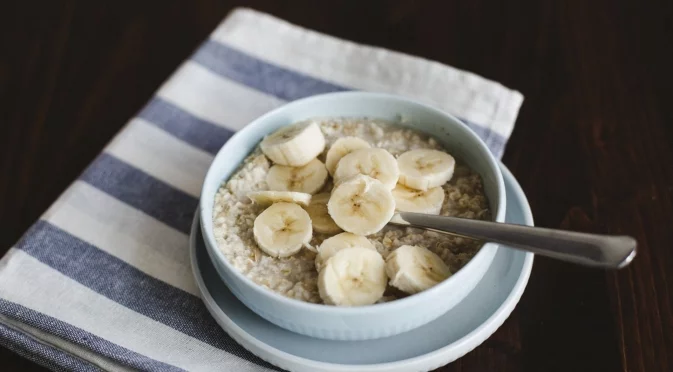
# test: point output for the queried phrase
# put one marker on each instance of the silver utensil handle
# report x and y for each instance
(604, 251)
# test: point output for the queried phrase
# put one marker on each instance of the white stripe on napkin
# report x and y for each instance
(208, 96)
(161, 155)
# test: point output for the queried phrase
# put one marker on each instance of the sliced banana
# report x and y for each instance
(282, 229)
(307, 179)
(361, 205)
(423, 169)
(353, 277)
(342, 147)
(373, 162)
(410, 200)
(331, 246)
(413, 269)
(266, 198)
(294, 145)
(322, 221)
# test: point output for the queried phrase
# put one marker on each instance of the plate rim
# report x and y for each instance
(426, 361)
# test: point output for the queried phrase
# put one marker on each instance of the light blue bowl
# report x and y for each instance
(367, 322)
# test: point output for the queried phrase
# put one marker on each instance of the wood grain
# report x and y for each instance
(593, 146)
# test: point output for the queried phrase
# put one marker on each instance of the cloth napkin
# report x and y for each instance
(103, 279)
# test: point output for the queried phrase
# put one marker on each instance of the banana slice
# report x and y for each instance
(375, 163)
(342, 147)
(331, 246)
(282, 229)
(410, 200)
(294, 145)
(413, 269)
(361, 205)
(266, 198)
(423, 169)
(307, 179)
(322, 221)
(353, 277)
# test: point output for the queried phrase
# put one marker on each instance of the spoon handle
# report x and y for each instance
(603, 251)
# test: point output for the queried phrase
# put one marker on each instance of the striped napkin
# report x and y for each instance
(103, 279)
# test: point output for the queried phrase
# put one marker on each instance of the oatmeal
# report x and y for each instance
(296, 276)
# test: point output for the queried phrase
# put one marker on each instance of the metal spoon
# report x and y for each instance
(603, 251)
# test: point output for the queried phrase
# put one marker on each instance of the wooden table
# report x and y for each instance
(593, 146)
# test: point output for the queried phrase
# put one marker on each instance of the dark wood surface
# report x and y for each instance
(593, 146)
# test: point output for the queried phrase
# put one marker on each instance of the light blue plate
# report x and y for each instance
(437, 343)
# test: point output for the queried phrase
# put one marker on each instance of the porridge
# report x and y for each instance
(314, 229)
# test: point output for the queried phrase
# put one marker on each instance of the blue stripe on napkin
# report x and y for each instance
(132, 186)
(122, 283)
(197, 132)
(257, 74)
(494, 141)
(79, 337)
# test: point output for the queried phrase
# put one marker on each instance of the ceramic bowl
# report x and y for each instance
(366, 322)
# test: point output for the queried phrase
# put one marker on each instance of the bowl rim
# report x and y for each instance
(409, 301)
